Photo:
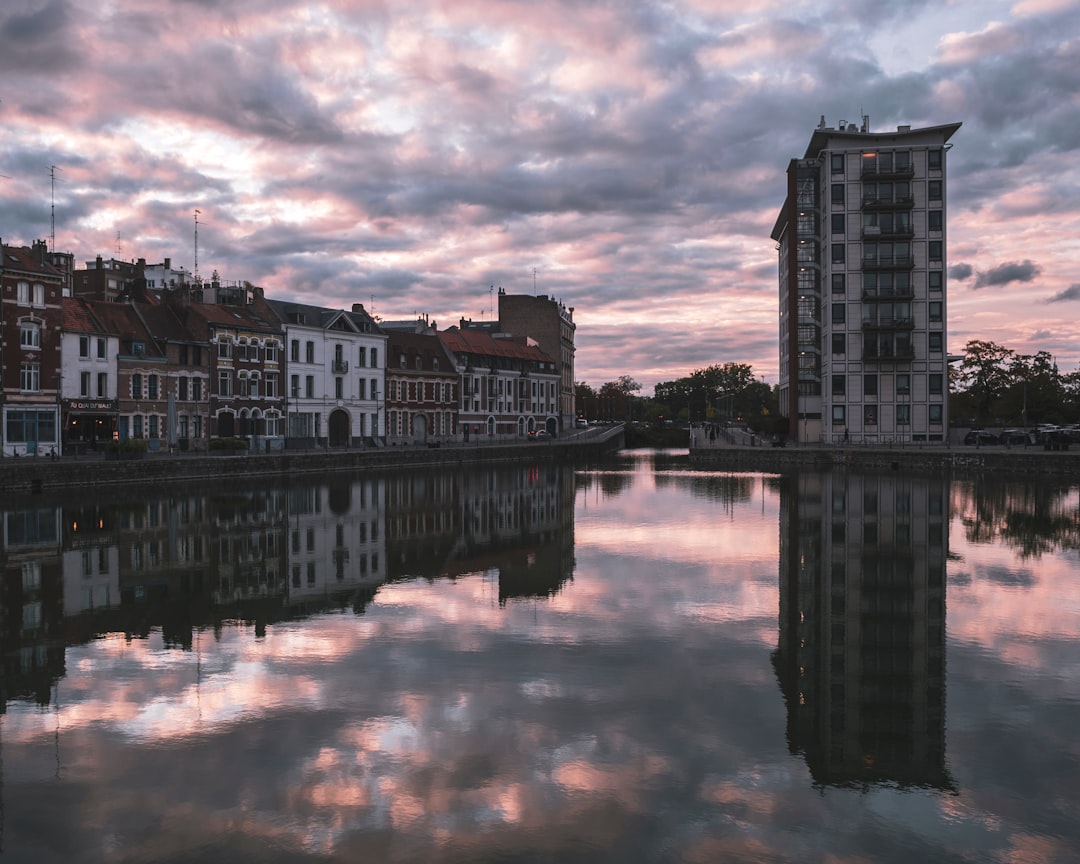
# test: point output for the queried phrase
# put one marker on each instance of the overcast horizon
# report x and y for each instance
(625, 158)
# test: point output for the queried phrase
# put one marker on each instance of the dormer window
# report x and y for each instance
(138, 349)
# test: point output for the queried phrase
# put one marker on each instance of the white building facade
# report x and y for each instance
(862, 243)
(334, 375)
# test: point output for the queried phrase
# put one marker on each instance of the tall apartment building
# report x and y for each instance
(862, 259)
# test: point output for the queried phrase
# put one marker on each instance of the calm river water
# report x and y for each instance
(637, 662)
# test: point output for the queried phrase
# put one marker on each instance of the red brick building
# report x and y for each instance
(31, 311)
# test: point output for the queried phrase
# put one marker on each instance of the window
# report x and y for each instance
(869, 415)
(136, 426)
(309, 386)
(361, 356)
(151, 386)
(271, 385)
(242, 350)
(934, 220)
(242, 384)
(935, 382)
(837, 253)
(903, 384)
(224, 383)
(84, 346)
(935, 280)
(934, 310)
(196, 390)
(374, 357)
(294, 386)
(838, 193)
(837, 223)
(102, 385)
(937, 414)
(933, 160)
(838, 340)
(360, 389)
(935, 343)
(294, 351)
(374, 390)
(136, 386)
(30, 334)
(182, 388)
(837, 385)
(84, 383)
(869, 385)
(271, 351)
(309, 352)
(153, 432)
(933, 190)
(31, 297)
(839, 283)
(837, 161)
(339, 388)
(224, 346)
(838, 313)
(839, 415)
(935, 251)
(903, 415)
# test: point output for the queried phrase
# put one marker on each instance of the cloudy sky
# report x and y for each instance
(626, 158)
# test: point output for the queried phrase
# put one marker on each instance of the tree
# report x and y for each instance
(984, 374)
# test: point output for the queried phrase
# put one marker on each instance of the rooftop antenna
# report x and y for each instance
(197, 212)
(491, 289)
(52, 208)
(534, 281)
(117, 244)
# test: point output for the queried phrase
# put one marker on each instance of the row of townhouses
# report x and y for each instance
(121, 350)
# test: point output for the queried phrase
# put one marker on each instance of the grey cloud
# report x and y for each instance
(36, 37)
(960, 272)
(1070, 293)
(1023, 271)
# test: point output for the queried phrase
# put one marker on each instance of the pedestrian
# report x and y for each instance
(845, 435)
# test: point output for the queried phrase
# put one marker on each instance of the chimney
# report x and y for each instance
(40, 252)
(168, 263)
(357, 307)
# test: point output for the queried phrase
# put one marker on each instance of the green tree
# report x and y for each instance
(984, 374)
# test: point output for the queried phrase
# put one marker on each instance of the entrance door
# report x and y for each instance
(419, 428)
(339, 428)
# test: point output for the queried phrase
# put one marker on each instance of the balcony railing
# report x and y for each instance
(892, 262)
(889, 295)
(341, 367)
(873, 171)
(875, 233)
(903, 202)
(889, 324)
(875, 354)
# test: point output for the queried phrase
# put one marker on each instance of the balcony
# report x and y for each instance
(875, 233)
(873, 171)
(891, 262)
(889, 323)
(869, 295)
(879, 354)
(340, 367)
(905, 202)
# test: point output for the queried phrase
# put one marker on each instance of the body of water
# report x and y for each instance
(635, 662)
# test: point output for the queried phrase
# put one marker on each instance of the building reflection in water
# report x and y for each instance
(512, 521)
(198, 557)
(861, 654)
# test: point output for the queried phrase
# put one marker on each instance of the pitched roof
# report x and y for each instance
(480, 342)
(78, 317)
(20, 259)
(234, 316)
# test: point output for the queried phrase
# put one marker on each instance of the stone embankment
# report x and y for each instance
(26, 474)
(988, 460)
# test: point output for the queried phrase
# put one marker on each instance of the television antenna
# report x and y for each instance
(52, 208)
(197, 212)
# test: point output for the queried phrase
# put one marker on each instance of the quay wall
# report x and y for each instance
(28, 474)
(989, 460)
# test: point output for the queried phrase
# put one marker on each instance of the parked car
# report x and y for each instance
(581, 423)
(1055, 439)
(1017, 437)
(980, 437)
(540, 435)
